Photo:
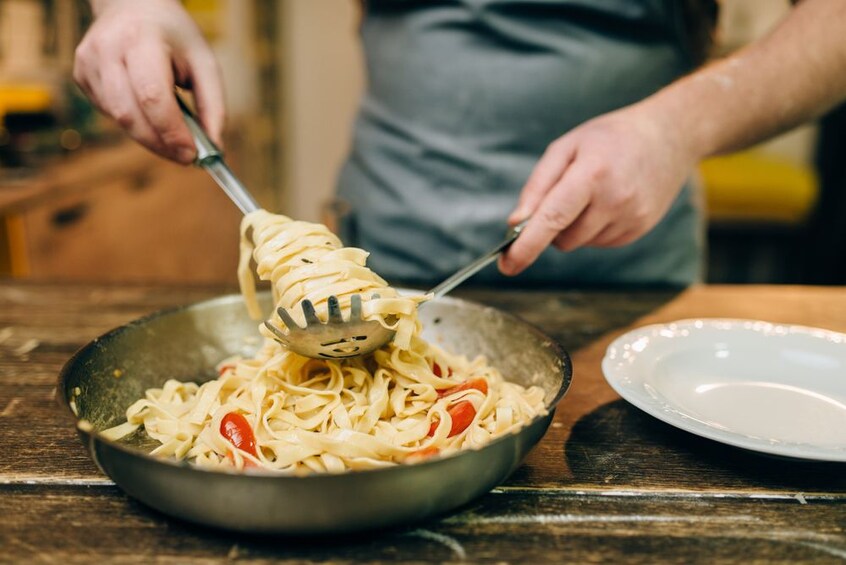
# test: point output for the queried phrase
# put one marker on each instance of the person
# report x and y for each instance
(588, 115)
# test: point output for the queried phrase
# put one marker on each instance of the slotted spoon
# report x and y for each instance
(338, 338)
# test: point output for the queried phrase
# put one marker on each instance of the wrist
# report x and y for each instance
(676, 127)
(100, 6)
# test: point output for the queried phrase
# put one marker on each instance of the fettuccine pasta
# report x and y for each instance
(305, 260)
(280, 411)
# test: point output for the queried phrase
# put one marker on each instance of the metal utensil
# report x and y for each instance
(210, 158)
(187, 343)
(480, 263)
(338, 338)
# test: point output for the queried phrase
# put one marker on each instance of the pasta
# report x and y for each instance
(306, 260)
(284, 412)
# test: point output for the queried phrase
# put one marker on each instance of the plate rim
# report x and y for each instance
(678, 417)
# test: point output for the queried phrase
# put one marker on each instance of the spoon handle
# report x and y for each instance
(210, 158)
(479, 264)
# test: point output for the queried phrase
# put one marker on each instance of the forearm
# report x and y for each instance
(794, 74)
(97, 6)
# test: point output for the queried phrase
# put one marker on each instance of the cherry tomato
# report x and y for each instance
(421, 454)
(462, 415)
(247, 462)
(436, 369)
(237, 430)
(479, 384)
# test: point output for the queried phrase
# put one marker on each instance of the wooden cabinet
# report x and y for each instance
(123, 215)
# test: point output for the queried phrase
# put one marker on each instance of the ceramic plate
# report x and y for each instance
(773, 388)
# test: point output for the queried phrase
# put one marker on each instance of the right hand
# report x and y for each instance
(606, 183)
(129, 62)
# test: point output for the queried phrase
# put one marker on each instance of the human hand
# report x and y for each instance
(606, 183)
(130, 60)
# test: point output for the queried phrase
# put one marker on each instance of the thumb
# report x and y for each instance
(558, 210)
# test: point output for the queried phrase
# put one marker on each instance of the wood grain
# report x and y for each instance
(89, 524)
(606, 483)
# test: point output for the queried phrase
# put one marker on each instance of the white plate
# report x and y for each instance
(773, 388)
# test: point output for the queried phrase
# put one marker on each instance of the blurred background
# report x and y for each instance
(79, 202)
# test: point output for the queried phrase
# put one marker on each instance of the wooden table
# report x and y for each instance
(607, 483)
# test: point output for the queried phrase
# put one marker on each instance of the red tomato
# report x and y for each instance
(247, 462)
(479, 384)
(224, 368)
(422, 454)
(462, 415)
(237, 430)
(436, 369)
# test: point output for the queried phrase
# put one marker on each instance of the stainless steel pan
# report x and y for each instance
(107, 375)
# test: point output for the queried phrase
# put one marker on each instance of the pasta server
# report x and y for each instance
(336, 338)
(210, 158)
(339, 339)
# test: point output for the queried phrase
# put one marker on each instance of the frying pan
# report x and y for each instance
(103, 378)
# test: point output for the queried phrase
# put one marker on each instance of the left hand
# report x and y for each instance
(606, 183)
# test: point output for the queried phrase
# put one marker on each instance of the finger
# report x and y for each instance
(207, 85)
(548, 171)
(151, 77)
(624, 238)
(583, 230)
(119, 103)
(84, 75)
(563, 204)
(609, 233)
(89, 93)
(109, 93)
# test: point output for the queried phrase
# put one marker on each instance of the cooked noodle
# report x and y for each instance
(405, 402)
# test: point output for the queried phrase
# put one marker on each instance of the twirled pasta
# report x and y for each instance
(406, 401)
(306, 261)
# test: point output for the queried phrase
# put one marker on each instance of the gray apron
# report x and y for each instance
(464, 96)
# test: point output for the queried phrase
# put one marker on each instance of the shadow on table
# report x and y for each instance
(619, 446)
(415, 542)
